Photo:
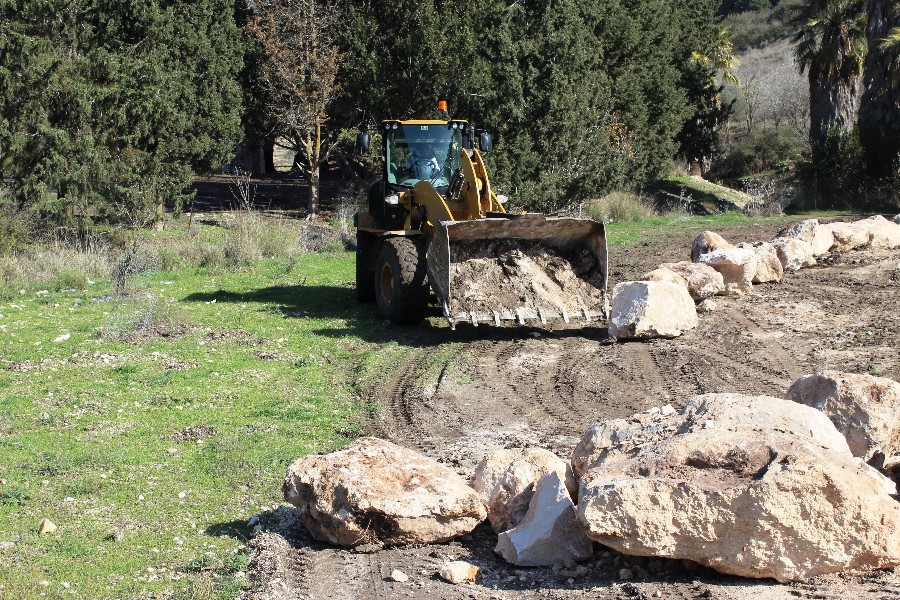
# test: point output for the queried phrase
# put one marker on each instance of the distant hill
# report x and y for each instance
(757, 23)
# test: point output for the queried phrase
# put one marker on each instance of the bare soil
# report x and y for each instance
(492, 388)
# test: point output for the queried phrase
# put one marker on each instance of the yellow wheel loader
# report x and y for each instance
(433, 222)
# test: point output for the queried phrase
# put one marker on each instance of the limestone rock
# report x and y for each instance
(46, 526)
(505, 482)
(702, 280)
(399, 576)
(848, 236)
(864, 408)
(882, 233)
(822, 241)
(549, 533)
(707, 241)
(769, 267)
(738, 268)
(459, 571)
(648, 309)
(616, 439)
(707, 306)
(794, 253)
(753, 503)
(664, 274)
(375, 492)
(804, 230)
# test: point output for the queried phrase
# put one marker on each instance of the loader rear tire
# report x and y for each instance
(401, 281)
(365, 276)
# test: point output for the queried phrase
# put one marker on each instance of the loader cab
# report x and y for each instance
(417, 151)
(414, 151)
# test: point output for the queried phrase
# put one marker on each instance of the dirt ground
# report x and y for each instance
(496, 388)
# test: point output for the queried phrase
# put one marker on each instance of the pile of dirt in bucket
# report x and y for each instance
(503, 275)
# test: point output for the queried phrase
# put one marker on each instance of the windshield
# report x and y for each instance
(422, 152)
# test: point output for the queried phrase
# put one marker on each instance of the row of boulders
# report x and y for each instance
(755, 486)
(663, 302)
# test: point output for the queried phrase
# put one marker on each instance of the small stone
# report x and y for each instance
(570, 581)
(70, 499)
(62, 338)
(667, 410)
(46, 526)
(458, 571)
(707, 306)
(657, 594)
(653, 410)
(66, 584)
(182, 495)
(625, 574)
(44, 582)
(399, 576)
(708, 424)
(141, 497)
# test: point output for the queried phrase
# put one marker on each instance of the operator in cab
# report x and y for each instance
(423, 162)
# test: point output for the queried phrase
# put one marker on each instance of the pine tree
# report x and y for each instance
(108, 108)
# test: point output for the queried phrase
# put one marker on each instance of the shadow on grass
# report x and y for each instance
(362, 319)
(237, 529)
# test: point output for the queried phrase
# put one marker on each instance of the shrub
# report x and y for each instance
(68, 279)
(619, 207)
(772, 151)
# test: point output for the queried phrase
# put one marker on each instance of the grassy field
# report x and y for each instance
(152, 414)
(150, 426)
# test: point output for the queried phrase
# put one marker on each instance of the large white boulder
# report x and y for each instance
(663, 274)
(864, 408)
(648, 309)
(794, 253)
(505, 480)
(882, 233)
(804, 230)
(769, 267)
(702, 280)
(849, 236)
(737, 266)
(749, 502)
(707, 241)
(615, 439)
(822, 241)
(374, 491)
(549, 533)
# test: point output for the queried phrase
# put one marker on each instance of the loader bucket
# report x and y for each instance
(527, 267)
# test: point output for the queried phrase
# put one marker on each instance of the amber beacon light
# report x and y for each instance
(442, 105)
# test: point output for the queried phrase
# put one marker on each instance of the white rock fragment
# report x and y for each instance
(702, 280)
(648, 309)
(505, 481)
(549, 533)
(769, 268)
(399, 576)
(706, 242)
(46, 526)
(458, 571)
(737, 267)
(62, 338)
(794, 253)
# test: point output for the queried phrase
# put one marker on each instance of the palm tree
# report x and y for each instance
(830, 45)
(879, 110)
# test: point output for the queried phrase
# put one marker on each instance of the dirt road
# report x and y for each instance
(481, 389)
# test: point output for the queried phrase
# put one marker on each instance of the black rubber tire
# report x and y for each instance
(365, 275)
(401, 281)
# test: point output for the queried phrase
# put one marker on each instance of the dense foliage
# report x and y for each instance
(107, 108)
(582, 97)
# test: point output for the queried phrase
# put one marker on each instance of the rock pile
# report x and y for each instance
(754, 486)
(641, 309)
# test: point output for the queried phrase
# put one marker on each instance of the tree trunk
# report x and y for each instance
(314, 189)
(879, 110)
(832, 105)
(269, 155)
(695, 167)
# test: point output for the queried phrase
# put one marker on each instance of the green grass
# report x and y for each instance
(629, 234)
(94, 428)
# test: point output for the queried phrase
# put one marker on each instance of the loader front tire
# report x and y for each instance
(401, 282)
(365, 276)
